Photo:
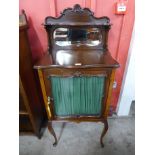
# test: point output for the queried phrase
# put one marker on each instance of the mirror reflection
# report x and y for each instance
(74, 36)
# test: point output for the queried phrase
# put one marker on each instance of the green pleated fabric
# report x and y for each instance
(77, 95)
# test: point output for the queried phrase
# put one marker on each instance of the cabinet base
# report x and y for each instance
(105, 129)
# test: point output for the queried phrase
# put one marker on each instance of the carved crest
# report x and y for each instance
(77, 9)
(77, 16)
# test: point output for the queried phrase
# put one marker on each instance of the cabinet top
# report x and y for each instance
(78, 59)
(77, 39)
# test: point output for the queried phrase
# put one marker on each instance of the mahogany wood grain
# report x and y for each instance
(26, 103)
(109, 90)
(44, 93)
(105, 129)
(50, 128)
(104, 61)
(29, 90)
(91, 61)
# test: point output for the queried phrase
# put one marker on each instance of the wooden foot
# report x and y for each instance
(104, 132)
(51, 130)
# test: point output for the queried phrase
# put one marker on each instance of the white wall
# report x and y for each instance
(127, 94)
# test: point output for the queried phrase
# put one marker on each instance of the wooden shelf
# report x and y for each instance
(23, 113)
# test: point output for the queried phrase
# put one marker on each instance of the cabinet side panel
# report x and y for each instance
(29, 81)
(111, 80)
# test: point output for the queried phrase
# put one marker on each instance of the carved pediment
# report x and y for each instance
(77, 9)
(77, 16)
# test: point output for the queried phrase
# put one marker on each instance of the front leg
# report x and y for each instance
(104, 132)
(51, 130)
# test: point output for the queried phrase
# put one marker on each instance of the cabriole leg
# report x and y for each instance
(51, 130)
(105, 129)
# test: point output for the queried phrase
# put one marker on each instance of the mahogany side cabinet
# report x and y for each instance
(32, 114)
(77, 74)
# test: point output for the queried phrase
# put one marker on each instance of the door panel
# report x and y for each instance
(77, 95)
(77, 92)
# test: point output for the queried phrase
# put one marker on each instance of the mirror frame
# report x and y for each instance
(77, 17)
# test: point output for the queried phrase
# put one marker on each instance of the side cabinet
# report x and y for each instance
(77, 73)
(32, 114)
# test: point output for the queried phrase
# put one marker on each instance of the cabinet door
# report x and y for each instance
(75, 93)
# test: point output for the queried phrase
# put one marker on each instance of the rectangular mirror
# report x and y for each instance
(77, 36)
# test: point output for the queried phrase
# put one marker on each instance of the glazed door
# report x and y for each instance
(75, 93)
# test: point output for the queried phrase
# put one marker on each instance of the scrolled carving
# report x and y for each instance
(77, 8)
(77, 16)
(77, 74)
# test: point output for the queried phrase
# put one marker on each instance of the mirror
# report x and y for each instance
(77, 36)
